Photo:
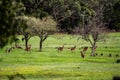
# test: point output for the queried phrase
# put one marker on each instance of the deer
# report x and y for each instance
(8, 50)
(95, 48)
(60, 48)
(73, 48)
(82, 54)
(18, 46)
(28, 49)
(85, 48)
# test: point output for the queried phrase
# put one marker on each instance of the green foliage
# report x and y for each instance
(111, 14)
(45, 24)
(42, 27)
(67, 13)
(23, 28)
(35, 8)
(115, 22)
(9, 9)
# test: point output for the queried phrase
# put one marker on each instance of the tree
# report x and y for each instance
(24, 29)
(110, 16)
(9, 9)
(67, 13)
(94, 27)
(42, 28)
(35, 8)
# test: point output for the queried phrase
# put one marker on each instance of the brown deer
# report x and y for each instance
(85, 48)
(95, 48)
(60, 48)
(8, 50)
(73, 48)
(18, 46)
(28, 49)
(82, 54)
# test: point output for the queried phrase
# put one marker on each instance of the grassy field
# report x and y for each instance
(66, 65)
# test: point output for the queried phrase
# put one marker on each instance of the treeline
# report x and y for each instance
(69, 15)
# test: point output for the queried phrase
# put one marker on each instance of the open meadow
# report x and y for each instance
(65, 65)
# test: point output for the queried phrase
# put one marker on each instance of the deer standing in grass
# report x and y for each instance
(18, 46)
(82, 54)
(60, 48)
(8, 50)
(85, 48)
(28, 49)
(95, 48)
(73, 48)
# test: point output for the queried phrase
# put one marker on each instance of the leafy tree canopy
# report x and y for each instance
(9, 9)
(115, 21)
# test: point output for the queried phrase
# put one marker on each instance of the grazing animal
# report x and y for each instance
(110, 55)
(101, 54)
(28, 49)
(73, 48)
(82, 54)
(8, 50)
(60, 48)
(95, 48)
(117, 55)
(18, 46)
(85, 48)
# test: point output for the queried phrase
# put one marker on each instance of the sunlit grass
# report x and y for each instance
(66, 65)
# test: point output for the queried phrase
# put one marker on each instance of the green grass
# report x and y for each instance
(51, 65)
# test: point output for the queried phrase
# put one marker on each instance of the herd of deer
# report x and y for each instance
(28, 49)
(59, 49)
(84, 49)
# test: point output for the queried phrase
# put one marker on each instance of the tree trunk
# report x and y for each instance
(40, 45)
(92, 49)
(26, 43)
(42, 39)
